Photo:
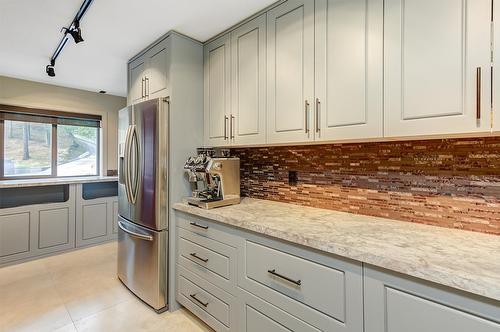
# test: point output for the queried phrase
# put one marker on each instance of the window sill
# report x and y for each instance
(54, 181)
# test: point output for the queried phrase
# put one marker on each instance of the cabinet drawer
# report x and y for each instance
(317, 286)
(210, 259)
(204, 228)
(259, 316)
(211, 304)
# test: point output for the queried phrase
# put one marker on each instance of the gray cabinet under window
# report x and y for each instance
(96, 213)
(38, 221)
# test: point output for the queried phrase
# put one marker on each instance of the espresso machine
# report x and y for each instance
(214, 178)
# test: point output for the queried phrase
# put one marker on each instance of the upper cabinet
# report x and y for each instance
(248, 83)
(335, 70)
(437, 66)
(147, 74)
(348, 71)
(136, 74)
(217, 72)
(290, 72)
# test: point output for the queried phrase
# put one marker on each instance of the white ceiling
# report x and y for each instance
(114, 31)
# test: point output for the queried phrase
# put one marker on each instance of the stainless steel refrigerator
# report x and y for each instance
(143, 132)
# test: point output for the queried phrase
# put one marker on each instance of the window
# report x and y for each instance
(41, 143)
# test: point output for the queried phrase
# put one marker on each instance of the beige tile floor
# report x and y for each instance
(79, 291)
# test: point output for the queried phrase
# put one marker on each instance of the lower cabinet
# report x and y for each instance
(236, 280)
(96, 219)
(39, 229)
(395, 303)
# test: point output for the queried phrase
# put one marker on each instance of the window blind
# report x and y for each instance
(16, 113)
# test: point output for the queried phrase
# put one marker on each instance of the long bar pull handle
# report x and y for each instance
(231, 127)
(225, 127)
(126, 158)
(134, 234)
(198, 225)
(274, 273)
(146, 88)
(318, 123)
(193, 254)
(142, 87)
(306, 108)
(193, 296)
(478, 93)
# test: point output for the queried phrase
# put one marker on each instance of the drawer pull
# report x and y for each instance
(274, 273)
(193, 254)
(193, 296)
(198, 225)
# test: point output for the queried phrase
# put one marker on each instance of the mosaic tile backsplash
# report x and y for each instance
(450, 183)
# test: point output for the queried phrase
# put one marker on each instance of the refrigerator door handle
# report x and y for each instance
(134, 234)
(126, 164)
(134, 144)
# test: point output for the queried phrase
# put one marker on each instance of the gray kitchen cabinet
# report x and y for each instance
(348, 69)
(156, 71)
(322, 293)
(395, 303)
(217, 86)
(95, 219)
(32, 230)
(54, 227)
(437, 75)
(147, 74)
(258, 316)
(290, 72)
(136, 78)
(14, 234)
(248, 83)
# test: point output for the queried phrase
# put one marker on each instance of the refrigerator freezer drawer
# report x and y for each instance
(142, 262)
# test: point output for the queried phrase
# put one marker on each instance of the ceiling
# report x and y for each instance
(113, 30)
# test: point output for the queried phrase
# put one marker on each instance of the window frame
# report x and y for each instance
(53, 162)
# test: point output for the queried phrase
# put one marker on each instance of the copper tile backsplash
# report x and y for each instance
(450, 183)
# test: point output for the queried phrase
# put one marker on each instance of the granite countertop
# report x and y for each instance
(460, 259)
(54, 181)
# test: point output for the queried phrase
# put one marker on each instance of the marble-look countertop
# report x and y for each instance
(460, 259)
(54, 181)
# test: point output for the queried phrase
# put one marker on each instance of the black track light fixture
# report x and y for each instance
(74, 31)
(50, 69)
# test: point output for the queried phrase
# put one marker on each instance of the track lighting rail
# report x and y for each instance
(74, 31)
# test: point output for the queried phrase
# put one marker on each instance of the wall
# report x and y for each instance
(451, 183)
(32, 94)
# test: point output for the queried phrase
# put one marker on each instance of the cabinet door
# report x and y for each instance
(290, 72)
(248, 92)
(136, 77)
(349, 69)
(495, 112)
(156, 73)
(217, 67)
(437, 66)
(395, 303)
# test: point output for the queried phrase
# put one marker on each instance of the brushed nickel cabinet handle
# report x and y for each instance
(225, 127)
(193, 254)
(306, 108)
(478, 93)
(198, 225)
(146, 86)
(318, 123)
(231, 127)
(274, 273)
(193, 296)
(142, 88)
